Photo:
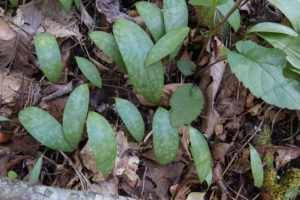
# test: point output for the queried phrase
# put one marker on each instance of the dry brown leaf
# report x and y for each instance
(219, 151)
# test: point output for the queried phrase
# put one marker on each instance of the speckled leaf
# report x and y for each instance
(48, 55)
(66, 4)
(135, 45)
(35, 173)
(132, 118)
(256, 167)
(75, 114)
(186, 103)
(107, 43)
(89, 70)
(261, 70)
(206, 3)
(153, 18)
(200, 153)
(44, 128)
(186, 67)
(165, 137)
(167, 44)
(103, 142)
(234, 19)
(4, 119)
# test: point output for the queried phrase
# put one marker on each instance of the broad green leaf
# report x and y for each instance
(167, 44)
(186, 104)
(48, 55)
(206, 3)
(14, 2)
(75, 114)
(12, 174)
(107, 43)
(261, 70)
(291, 10)
(89, 70)
(153, 18)
(77, 3)
(175, 15)
(35, 173)
(66, 4)
(256, 167)
(186, 67)
(103, 142)
(200, 153)
(44, 128)
(132, 118)
(135, 45)
(4, 119)
(208, 179)
(270, 27)
(165, 137)
(235, 19)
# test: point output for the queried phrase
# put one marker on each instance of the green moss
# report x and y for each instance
(264, 137)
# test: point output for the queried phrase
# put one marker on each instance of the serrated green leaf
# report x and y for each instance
(270, 27)
(260, 69)
(103, 142)
(206, 3)
(89, 70)
(153, 18)
(234, 19)
(132, 118)
(290, 10)
(186, 67)
(135, 45)
(66, 4)
(44, 128)
(186, 103)
(167, 44)
(4, 119)
(12, 174)
(256, 167)
(165, 137)
(14, 2)
(75, 114)
(48, 55)
(200, 153)
(107, 43)
(35, 173)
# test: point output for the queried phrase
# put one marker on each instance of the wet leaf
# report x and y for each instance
(165, 137)
(107, 43)
(75, 114)
(135, 45)
(103, 142)
(89, 70)
(270, 27)
(235, 19)
(260, 69)
(35, 173)
(200, 153)
(66, 4)
(186, 67)
(186, 103)
(153, 18)
(132, 118)
(256, 167)
(48, 55)
(167, 44)
(44, 128)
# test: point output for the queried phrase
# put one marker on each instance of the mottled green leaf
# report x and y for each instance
(103, 142)
(12, 174)
(206, 3)
(107, 43)
(44, 128)
(234, 19)
(48, 55)
(167, 44)
(186, 103)
(165, 137)
(261, 70)
(89, 70)
(75, 114)
(132, 118)
(153, 18)
(186, 67)
(66, 4)
(270, 27)
(135, 45)
(290, 10)
(4, 119)
(256, 167)
(35, 173)
(200, 153)
(14, 2)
